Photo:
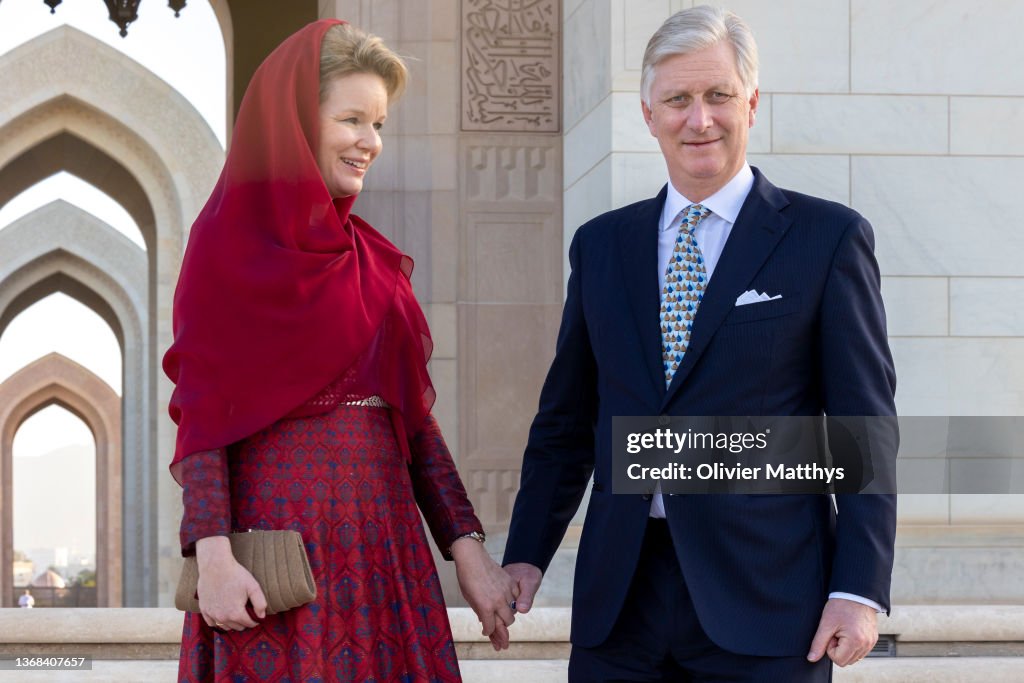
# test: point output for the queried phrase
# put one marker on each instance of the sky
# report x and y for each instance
(186, 52)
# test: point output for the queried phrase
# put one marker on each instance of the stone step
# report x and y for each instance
(896, 670)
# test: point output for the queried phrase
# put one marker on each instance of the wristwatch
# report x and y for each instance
(475, 535)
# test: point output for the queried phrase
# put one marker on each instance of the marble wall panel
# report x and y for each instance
(959, 376)
(905, 47)
(986, 125)
(803, 44)
(629, 130)
(760, 140)
(636, 176)
(587, 197)
(914, 205)
(640, 19)
(588, 142)
(821, 175)
(916, 306)
(859, 124)
(987, 307)
(587, 59)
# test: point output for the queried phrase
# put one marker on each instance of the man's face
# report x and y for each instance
(701, 116)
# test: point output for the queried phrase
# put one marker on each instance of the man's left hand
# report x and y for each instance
(847, 632)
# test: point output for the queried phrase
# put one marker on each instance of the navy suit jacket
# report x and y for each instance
(759, 567)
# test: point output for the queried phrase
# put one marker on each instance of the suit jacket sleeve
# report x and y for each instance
(438, 489)
(859, 380)
(559, 457)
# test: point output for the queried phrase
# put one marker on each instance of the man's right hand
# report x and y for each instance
(225, 586)
(529, 577)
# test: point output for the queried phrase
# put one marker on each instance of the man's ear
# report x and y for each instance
(648, 116)
(754, 99)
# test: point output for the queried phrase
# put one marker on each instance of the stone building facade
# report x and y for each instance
(521, 121)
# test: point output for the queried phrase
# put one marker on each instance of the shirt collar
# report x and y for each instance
(726, 203)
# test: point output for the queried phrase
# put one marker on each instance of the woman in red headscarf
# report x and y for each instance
(302, 396)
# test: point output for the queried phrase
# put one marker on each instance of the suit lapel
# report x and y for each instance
(758, 229)
(638, 247)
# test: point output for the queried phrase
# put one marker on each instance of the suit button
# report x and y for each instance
(646, 496)
(663, 419)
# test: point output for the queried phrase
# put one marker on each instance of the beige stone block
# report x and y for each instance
(826, 176)
(443, 330)
(803, 44)
(916, 306)
(986, 125)
(408, 115)
(443, 103)
(586, 59)
(859, 124)
(512, 257)
(905, 47)
(911, 202)
(444, 246)
(444, 376)
(444, 19)
(429, 162)
(987, 307)
(507, 351)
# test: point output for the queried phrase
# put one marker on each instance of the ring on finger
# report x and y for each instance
(512, 605)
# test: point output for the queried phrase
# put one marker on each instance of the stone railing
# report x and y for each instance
(934, 644)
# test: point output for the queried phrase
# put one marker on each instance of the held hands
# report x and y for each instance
(847, 632)
(487, 589)
(225, 586)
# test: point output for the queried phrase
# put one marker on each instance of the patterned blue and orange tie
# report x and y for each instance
(685, 280)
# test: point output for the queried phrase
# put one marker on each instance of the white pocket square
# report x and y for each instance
(751, 296)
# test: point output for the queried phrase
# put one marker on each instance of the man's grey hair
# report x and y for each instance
(694, 29)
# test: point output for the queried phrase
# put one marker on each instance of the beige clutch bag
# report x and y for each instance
(276, 559)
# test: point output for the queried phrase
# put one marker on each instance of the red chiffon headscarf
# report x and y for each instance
(281, 290)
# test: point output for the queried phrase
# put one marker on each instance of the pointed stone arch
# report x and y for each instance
(55, 379)
(60, 248)
(74, 103)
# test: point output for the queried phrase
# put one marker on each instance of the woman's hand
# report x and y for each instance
(488, 589)
(225, 586)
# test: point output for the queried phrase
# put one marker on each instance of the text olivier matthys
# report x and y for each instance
(666, 439)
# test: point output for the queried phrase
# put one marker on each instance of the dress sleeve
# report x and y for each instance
(206, 496)
(438, 488)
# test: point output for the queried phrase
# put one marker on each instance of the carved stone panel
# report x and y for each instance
(510, 65)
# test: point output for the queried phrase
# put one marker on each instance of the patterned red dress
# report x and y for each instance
(340, 479)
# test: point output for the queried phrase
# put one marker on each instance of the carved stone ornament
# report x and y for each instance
(510, 65)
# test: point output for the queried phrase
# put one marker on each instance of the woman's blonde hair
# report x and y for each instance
(347, 50)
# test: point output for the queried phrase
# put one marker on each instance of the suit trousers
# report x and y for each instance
(658, 637)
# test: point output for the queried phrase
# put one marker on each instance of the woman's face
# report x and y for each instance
(350, 120)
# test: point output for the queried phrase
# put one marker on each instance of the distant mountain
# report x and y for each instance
(55, 500)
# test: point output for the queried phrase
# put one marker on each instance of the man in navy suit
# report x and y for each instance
(710, 587)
